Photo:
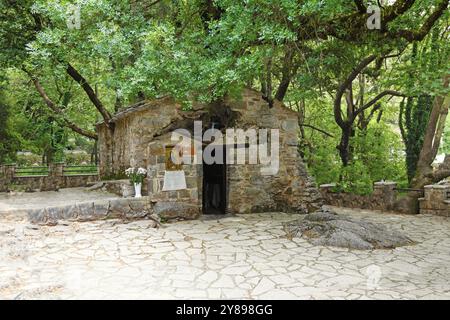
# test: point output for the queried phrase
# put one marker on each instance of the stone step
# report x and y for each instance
(124, 208)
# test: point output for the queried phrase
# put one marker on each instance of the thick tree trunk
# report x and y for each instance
(433, 134)
(345, 90)
(344, 144)
(287, 70)
(424, 172)
(90, 93)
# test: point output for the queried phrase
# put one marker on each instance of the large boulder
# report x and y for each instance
(326, 228)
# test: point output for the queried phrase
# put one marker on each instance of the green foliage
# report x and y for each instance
(76, 158)
(28, 159)
(202, 50)
(136, 175)
(323, 163)
(8, 143)
(16, 187)
(356, 179)
(377, 152)
(380, 151)
(416, 114)
(445, 145)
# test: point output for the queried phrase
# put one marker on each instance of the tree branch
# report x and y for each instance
(400, 122)
(317, 129)
(432, 138)
(360, 5)
(418, 35)
(346, 84)
(431, 141)
(372, 112)
(378, 97)
(440, 126)
(286, 75)
(90, 93)
(52, 106)
(440, 175)
(340, 28)
(397, 9)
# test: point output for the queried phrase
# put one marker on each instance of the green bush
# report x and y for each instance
(78, 158)
(377, 154)
(356, 179)
(26, 159)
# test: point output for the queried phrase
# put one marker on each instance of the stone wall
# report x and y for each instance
(56, 179)
(186, 203)
(128, 209)
(291, 189)
(383, 197)
(436, 200)
(142, 132)
(134, 129)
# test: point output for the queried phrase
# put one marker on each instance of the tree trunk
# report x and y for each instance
(344, 144)
(433, 134)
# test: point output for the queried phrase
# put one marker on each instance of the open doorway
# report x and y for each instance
(214, 188)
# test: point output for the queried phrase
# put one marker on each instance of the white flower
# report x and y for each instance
(142, 171)
(129, 171)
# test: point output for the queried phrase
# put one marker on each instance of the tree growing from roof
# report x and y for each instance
(203, 49)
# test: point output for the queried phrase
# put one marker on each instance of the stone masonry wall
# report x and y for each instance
(134, 129)
(53, 181)
(383, 197)
(125, 208)
(291, 189)
(184, 203)
(142, 133)
(436, 200)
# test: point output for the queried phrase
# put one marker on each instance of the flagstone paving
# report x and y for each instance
(241, 257)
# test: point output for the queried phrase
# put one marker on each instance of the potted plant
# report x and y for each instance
(136, 177)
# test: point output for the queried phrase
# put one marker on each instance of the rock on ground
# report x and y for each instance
(326, 228)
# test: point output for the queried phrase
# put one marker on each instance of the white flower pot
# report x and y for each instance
(137, 190)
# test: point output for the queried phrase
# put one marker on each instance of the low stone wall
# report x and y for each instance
(56, 179)
(121, 208)
(383, 197)
(436, 200)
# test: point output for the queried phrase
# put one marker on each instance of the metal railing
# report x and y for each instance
(53, 177)
(421, 192)
(31, 171)
(80, 170)
(44, 171)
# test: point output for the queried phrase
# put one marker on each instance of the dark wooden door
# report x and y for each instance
(214, 188)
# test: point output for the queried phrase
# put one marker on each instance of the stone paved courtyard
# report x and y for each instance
(241, 257)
